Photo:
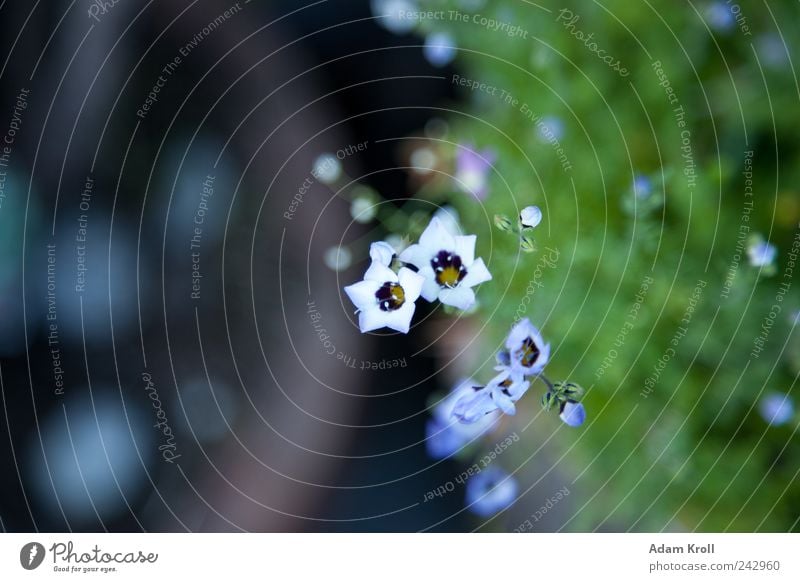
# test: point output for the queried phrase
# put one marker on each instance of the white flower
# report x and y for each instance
(381, 252)
(528, 353)
(445, 434)
(450, 220)
(500, 393)
(448, 265)
(530, 217)
(385, 298)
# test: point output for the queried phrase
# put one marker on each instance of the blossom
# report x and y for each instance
(776, 409)
(720, 16)
(391, 14)
(528, 354)
(440, 49)
(490, 491)
(382, 253)
(572, 413)
(385, 298)
(444, 433)
(551, 128)
(448, 265)
(530, 217)
(761, 253)
(472, 170)
(500, 393)
(642, 187)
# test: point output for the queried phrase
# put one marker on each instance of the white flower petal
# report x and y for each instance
(436, 237)
(380, 273)
(430, 288)
(530, 216)
(465, 249)
(371, 319)
(477, 273)
(416, 255)
(362, 294)
(461, 297)
(411, 283)
(381, 252)
(400, 319)
(504, 403)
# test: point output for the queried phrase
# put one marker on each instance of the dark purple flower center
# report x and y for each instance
(448, 268)
(529, 352)
(391, 296)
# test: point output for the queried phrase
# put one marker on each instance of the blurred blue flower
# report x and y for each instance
(761, 253)
(472, 170)
(445, 434)
(772, 50)
(490, 491)
(572, 413)
(776, 408)
(719, 16)
(391, 14)
(550, 128)
(439, 49)
(642, 187)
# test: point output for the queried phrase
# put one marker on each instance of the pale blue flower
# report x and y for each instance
(719, 16)
(551, 128)
(395, 15)
(490, 491)
(572, 413)
(642, 187)
(500, 393)
(527, 351)
(761, 253)
(776, 408)
(445, 434)
(439, 49)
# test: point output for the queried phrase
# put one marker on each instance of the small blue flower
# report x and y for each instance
(445, 434)
(527, 349)
(761, 253)
(440, 49)
(500, 393)
(551, 128)
(572, 413)
(720, 17)
(490, 491)
(642, 187)
(776, 408)
(393, 14)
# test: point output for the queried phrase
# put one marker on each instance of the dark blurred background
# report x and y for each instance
(100, 337)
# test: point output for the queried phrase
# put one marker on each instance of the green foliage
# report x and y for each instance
(690, 451)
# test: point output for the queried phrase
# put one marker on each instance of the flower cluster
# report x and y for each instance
(441, 266)
(524, 357)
